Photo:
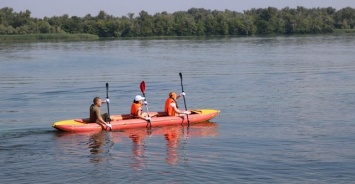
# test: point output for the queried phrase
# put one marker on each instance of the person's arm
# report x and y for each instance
(178, 111)
(173, 105)
(106, 101)
(102, 122)
(140, 114)
(99, 117)
(182, 94)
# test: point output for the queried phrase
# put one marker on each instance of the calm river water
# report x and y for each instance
(287, 110)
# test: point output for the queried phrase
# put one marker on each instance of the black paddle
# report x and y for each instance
(182, 87)
(108, 119)
(142, 86)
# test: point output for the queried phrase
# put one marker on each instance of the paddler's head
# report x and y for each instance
(97, 101)
(138, 99)
(172, 95)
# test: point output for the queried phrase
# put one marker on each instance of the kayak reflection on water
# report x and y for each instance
(103, 145)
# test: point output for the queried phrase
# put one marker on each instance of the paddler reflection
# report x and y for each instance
(101, 144)
(204, 129)
(172, 138)
(98, 144)
(138, 147)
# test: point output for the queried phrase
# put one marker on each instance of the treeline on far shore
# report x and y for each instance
(193, 22)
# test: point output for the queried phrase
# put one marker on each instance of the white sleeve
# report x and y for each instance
(173, 105)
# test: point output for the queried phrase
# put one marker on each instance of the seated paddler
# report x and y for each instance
(95, 113)
(171, 106)
(137, 108)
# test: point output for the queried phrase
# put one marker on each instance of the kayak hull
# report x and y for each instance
(158, 119)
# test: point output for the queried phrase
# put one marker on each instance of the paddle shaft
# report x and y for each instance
(108, 105)
(182, 88)
(146, 106)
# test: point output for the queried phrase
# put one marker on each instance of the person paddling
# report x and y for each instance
(95, 113)
(136, 108)
(171, 106)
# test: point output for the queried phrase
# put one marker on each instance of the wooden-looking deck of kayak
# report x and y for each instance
(125, 121)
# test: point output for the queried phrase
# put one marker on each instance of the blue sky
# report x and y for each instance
(49, 8)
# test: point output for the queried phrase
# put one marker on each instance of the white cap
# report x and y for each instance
(138, 98)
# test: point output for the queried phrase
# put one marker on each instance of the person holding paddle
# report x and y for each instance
(171, 106)
(95, 113)
(136, 108)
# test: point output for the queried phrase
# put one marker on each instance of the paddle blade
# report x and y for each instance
(142, 86)
(182, 87)
(106, 89)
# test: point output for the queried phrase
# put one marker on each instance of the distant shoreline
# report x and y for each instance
(49, 36)
(344, 31)
(91, 37)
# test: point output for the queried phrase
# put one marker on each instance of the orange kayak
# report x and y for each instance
(124, 121)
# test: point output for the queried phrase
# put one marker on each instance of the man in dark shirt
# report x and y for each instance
(95, 113)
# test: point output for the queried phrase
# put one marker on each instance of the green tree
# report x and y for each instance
(163, 24)
(44, 27)
(211, 25)
(266, 20)
(20, 19)
(3, 29)
(345, 18)
(6, 16)
(23, 30)
(222, 27)
(126, 25)
(145, 24)
(71, 25)
(184, 24)
(247, 27)
(10, 30)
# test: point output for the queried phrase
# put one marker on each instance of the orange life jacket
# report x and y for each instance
(168, 109)
(134, 109)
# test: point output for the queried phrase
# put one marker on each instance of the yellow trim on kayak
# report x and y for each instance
(205, 111)
(68, 122)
